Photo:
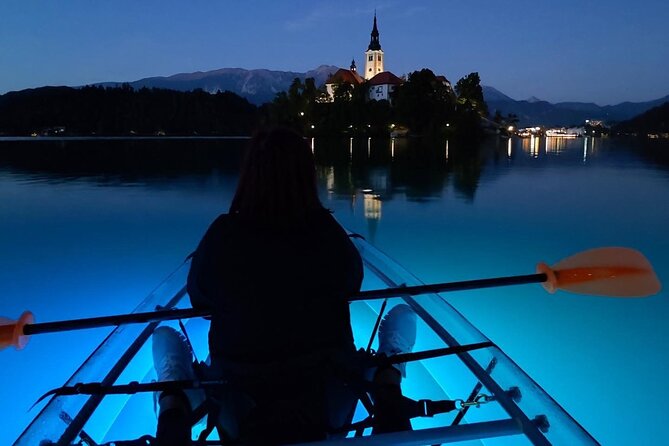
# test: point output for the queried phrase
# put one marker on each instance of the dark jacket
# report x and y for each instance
(275, 294)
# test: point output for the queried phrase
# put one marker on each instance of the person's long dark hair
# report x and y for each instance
(277, 184)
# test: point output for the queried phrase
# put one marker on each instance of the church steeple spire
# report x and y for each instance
(374, 44)
(374, 54)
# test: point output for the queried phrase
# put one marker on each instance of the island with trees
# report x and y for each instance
(424, 104)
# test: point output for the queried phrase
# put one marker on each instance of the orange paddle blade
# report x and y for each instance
(11, 332)
(615, 272)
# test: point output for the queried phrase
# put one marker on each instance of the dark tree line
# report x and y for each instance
(125, 111)
(424, 104)
(655, 120)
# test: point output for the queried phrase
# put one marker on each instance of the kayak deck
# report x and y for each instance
(519, 412)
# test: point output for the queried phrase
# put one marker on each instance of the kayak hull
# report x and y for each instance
(518, 411)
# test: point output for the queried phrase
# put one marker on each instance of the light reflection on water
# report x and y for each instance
(89, 227)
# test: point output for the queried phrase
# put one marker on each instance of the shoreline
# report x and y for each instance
(114, 138)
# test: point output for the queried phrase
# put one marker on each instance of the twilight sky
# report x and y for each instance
(592, 51)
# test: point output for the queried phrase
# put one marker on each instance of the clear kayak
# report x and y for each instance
(499, 403)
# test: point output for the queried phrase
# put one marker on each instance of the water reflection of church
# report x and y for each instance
(372, 205)
(370, 172)
(372, 202)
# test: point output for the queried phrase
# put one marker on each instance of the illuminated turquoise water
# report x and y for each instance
(90, 235)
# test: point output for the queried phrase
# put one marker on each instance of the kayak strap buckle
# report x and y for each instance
(429, 408)
(476, 402)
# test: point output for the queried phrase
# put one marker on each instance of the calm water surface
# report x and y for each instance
(89, 227)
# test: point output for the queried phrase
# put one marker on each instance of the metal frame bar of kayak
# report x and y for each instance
(528, 427)
(94, 401)
(96, 388)
(187, 313)
(473, 394)
(434, 435)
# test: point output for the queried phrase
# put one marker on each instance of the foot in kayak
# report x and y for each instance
(172, 360)
(397, 334)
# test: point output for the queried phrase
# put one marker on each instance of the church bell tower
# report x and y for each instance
(374, 54)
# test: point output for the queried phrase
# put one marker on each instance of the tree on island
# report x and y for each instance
(351, 112)
(470, 94)
(294, 108)
(471, 106)
(308, 110)
(506, 124)
(424, 103)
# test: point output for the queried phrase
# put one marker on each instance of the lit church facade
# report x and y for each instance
(380, 83)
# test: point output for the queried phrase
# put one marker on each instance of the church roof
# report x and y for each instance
(385, 78)
(343, 76)
(374, 44)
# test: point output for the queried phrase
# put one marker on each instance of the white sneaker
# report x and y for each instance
(397, 333)
(172, 357)
(173, 361)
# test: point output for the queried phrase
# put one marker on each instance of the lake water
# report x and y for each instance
(88, 227)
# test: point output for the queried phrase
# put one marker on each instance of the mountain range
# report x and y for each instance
(257, 86)
(260, 86)
(534, 111)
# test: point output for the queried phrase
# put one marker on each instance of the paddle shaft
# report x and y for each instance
(106, 321)
(166, 315)
(448, 286)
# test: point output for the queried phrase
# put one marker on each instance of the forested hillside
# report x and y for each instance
(655, 120)
(124, 111)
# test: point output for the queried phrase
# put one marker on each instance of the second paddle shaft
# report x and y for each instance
(166, 315)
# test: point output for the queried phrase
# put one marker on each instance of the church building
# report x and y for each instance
(343, 76)
(380, 83)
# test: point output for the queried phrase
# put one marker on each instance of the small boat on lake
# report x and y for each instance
(497, 403)
(564, 133)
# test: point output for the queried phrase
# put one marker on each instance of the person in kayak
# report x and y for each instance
(276, 272)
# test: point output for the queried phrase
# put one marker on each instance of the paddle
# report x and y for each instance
(616, 272)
